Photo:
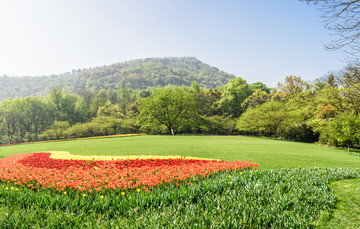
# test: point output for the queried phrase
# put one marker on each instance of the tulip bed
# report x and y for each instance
(60, 190)
(38, 170)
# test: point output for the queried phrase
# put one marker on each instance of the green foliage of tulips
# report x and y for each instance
(285, 198)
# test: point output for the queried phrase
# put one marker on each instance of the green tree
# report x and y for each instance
(170, 106)
(38, 116)
(97, 101)
(57, 130)
(124, 96)
(235, 92)
(9, 120)
(55, 97)
(266, 119)
(350, 89)
(331, 81)
(259, 86)
(292, 85)
(303, 103)
(257, 98)
(67, 107)
(80, 111)
(330, 97)
(218, 125)
(112, 110)
(344, 129)
(213, 96)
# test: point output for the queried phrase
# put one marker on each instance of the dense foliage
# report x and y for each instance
(136, 74)
(326, 110)
(284, 198)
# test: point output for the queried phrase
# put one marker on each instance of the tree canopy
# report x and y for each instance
(171, 106)
(326, 110)
(266, 119)
(235, 92)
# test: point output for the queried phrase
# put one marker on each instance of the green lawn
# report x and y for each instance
(347, 212)
(269, 154)
(290, 189)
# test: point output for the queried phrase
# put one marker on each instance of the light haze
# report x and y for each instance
(258, 40)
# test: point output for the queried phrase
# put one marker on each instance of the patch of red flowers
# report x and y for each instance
(38, 170)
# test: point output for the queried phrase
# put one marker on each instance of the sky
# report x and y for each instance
(260, 40)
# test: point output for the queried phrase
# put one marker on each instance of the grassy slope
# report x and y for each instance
(269, 154)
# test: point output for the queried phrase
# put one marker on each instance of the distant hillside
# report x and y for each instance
(137, 74)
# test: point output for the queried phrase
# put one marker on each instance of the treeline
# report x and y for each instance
(326, 110)
(136, 74)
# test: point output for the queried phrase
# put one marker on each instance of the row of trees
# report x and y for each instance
(326, 110)
(33, 118)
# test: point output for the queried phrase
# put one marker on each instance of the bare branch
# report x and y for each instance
(343, 18)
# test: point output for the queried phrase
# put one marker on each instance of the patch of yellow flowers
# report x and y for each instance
(67, 156)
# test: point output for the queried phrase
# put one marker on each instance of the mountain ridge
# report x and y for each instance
(134, 74)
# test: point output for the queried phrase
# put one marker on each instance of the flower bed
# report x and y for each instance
(67, 156)
(40, 170)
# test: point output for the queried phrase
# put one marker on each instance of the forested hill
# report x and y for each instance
(136, 74)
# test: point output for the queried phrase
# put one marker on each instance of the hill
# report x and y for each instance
(135, 74)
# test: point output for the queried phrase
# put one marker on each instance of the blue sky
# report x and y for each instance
(257, 40)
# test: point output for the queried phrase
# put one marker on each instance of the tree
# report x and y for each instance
(57, 130)
(99, 100)
(9, 120)
(343, 19)
(112, 111)
(303, 103)
(37, 117)
(218, 125)
(292, 85)
(80, 111)
(259, 86)
(257, 98)
(235, 92)
(213, 96)
(268, 118)
(67, 107)
(170, 106)
(55, 97)
(350, 89)
(124, 96)
(344, 129)
(331, 81)
(330, 97)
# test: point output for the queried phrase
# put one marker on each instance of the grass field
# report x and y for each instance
(269, 154)
(278, 195)
(347, 212)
